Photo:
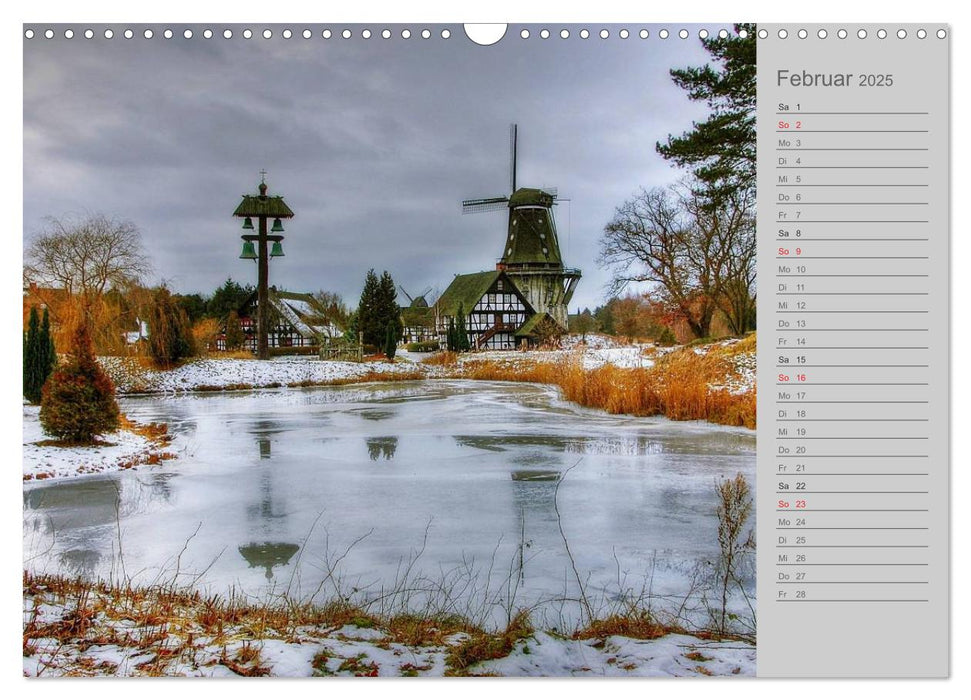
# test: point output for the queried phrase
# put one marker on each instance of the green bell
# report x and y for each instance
(248, 224)
(277, 226)
(249, 251)
(277, 250)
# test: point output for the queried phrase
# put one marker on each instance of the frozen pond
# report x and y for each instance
(411, 494)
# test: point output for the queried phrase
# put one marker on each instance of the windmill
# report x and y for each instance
(418, 318)
(531, 254)
(418, 302)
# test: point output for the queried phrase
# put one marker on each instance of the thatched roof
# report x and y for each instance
(254, 205)
(417, 315)
(529, 328)
(303, 312)
(466, 290)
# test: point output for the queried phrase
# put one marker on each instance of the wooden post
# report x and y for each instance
(262, 319)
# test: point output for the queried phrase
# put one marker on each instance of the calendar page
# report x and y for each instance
(402, 349)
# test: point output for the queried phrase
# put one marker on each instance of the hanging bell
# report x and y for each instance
(249, 251)
(277, 250)
(247, 224)
(277, 226)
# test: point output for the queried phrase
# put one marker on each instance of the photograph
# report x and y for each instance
(376, 350)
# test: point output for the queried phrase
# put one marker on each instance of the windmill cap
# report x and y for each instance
(527, 196)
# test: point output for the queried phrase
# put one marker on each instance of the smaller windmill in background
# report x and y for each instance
(419, 322)
(531, 254)
(418, 302)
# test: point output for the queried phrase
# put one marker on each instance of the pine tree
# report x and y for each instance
(78, 401)
(229, 297)
(390, 312)
(32, 359)
(378, 308)
(721, 149)
(368, 318)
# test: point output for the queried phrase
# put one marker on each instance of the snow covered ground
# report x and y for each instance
(229, 373)
(130, 377)
(121, 450)
(120, 647)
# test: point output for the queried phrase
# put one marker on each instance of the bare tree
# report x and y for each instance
(726, 233)
(86, 256)
(696, 257)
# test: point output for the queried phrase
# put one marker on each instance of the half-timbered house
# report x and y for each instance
(418, 322)
(497, 314)
(296, 321)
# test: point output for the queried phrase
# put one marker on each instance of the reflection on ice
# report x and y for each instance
(268, 555)
(526, 475)
(383, 447)
(470, 497)
(80, 562)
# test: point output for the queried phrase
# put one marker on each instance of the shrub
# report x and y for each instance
(423, 346)
(295, 350)
(204, 334)
(665, 337)
(78, 401)
(234, 332)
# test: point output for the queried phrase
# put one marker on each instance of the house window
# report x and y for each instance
(499, 285)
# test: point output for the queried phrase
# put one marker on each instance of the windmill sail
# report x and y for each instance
(472, 206)
(513, 143)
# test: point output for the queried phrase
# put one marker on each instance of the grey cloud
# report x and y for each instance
(373, 143)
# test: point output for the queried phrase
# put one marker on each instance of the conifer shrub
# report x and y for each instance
(40, 357)
(32, 383)
(462, 343)
(78, 401)
(391, 340)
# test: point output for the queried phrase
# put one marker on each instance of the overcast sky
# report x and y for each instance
(373, 143)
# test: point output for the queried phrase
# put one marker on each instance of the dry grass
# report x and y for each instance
(231, 355)
(637, 625)
(155, 432)
(179, 628)
(415, 630)
(485, 646)
(166, 623)
(445, 358)
(678, 386)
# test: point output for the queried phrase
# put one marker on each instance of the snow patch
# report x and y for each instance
(120, 450)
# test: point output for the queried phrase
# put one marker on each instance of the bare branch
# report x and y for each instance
(86, 255)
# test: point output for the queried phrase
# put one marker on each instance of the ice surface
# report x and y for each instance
(425, 495)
